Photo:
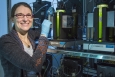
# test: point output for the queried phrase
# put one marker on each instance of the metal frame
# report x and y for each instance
(8, 14)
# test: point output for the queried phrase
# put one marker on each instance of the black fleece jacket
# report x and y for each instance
(14, 58)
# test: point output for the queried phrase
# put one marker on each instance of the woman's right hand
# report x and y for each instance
(45, 27)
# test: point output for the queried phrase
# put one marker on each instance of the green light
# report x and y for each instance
(100, 23)
(60, 11)
(100, 20)
(102, 5)
(58, 27)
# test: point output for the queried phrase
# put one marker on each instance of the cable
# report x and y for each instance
(58, 67)
(41, 8)
(79, 70)
(55, 59)
(47, 67)
(94, 8)
(76, 73)
(110, 1)
(52, 71)
(37, 21)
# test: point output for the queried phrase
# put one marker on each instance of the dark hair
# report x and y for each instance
(17, 5)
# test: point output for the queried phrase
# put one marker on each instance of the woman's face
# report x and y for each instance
(23, 19)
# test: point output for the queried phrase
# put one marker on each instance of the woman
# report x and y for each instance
(19, 56)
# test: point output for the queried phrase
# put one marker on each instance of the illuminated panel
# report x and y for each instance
(100, 20)
(58, 27)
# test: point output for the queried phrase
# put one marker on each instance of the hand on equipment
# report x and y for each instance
(45, 27)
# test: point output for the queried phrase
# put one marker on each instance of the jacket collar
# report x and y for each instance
(14, 34)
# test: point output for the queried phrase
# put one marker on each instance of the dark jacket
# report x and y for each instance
(14, 58)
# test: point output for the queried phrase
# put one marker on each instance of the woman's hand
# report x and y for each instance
(45, 27)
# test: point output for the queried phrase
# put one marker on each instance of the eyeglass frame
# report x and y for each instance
(23, 15)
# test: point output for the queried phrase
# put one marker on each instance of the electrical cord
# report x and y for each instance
(41, 8)
(110, 1)
(84, 65)
(75, 74)
(65, 73)
(47, 67)
(57, 71)
(62, 67)
(38, 21)
(55, 58)
(53, 70)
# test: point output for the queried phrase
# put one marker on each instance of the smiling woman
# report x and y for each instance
(19, 56)
(22, 18)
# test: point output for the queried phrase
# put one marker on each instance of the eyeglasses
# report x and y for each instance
(20, 15)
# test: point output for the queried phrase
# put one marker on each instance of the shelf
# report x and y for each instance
(84, 54)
